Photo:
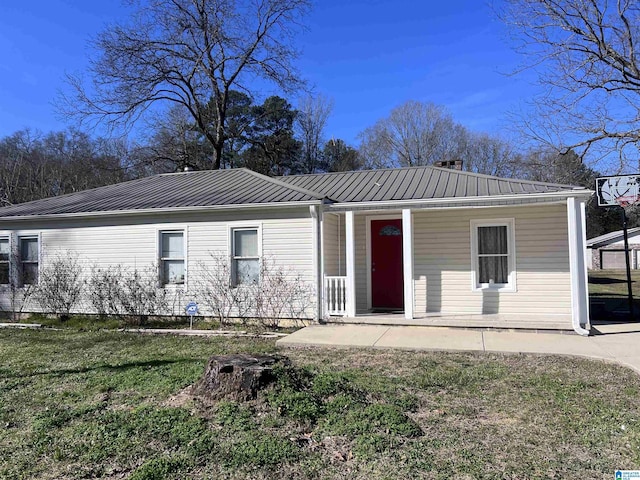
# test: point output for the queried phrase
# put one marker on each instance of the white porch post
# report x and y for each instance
(318, 260)
(578, 265)
(407, 262)
(350, 254)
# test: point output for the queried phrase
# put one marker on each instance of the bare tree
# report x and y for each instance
(35, 165)
(415, 133)
(313, 113)
(585, 54)
(490, 155)
(189, 53)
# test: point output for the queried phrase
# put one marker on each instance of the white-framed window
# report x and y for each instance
(29, 260)
(493, 254)
(245, 255)
(5, 255)
(172, 253)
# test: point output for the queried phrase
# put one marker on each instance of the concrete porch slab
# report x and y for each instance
(524, 322)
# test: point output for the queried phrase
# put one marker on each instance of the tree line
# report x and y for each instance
(274, 138)
(190, 69)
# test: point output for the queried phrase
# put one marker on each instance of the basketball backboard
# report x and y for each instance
(620, 190)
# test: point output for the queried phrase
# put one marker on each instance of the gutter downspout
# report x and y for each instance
(578, 266)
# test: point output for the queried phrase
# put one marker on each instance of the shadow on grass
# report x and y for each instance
(607, 280)
(612, 308)
(100, 368)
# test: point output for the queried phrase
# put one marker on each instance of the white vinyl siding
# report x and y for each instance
(443, 263)
(333, 244)
(133, 242)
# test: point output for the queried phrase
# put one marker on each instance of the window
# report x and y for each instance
(172, 258)
(245, 256)
(4, 261)
(29, 260)
(493, 254)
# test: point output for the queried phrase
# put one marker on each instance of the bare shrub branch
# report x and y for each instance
(60, 284)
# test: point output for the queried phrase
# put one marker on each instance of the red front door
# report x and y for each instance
(387, 292)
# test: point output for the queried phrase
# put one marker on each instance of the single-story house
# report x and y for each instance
(420, 245)
(606, 252)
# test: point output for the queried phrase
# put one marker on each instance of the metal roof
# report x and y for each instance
(173, 190)
(416, 183)
(610, 237)
(239, 186)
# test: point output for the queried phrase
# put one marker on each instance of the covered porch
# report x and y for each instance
(436, 281)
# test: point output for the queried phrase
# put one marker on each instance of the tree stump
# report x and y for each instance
(235, 377)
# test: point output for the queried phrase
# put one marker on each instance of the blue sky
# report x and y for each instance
(369, 56)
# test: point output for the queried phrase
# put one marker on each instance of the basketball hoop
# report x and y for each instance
(620, 190)
(627, 201)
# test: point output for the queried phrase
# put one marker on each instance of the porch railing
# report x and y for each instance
(335, 294)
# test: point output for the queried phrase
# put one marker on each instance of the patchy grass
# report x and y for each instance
(608, 293)
(88, 323)
(103, 405)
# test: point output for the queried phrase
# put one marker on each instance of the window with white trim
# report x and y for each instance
(245, 256)
(172, 257)
(493, 254)
(5, 251)
(29, 260)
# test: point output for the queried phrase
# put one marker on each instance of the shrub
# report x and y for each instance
(213, 288)
(130, 294)
(60, 284)
(279, 294)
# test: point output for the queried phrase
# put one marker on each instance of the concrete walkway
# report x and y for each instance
(618, 343)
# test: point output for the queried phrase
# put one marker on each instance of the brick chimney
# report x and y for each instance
(452, 164)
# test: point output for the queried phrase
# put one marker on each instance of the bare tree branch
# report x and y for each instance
(187, 53)
(584, 52)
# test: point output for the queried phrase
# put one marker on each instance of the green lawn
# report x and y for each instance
(103, 405)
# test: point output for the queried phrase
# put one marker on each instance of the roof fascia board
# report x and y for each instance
(388, 209)
(156, 211)
(504, 199)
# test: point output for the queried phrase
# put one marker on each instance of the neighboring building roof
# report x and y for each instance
(611, 237)
(415, 183)
(174, 190)
(217, 188)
